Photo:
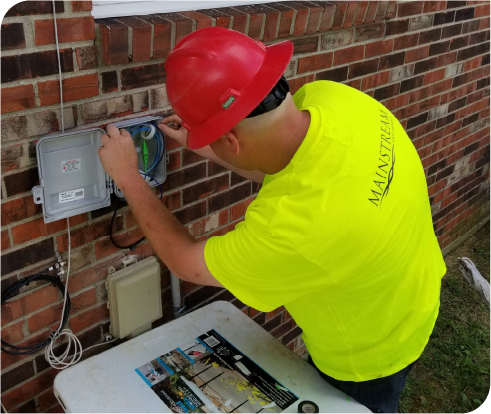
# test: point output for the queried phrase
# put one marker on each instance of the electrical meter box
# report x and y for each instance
(71, 177)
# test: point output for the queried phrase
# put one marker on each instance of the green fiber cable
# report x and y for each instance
(145, 156)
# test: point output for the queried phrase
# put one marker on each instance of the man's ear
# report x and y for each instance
(233, 141)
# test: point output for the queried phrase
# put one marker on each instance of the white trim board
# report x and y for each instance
(102, 9)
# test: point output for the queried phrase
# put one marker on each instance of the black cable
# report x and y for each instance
(8, 293)
(132, 246)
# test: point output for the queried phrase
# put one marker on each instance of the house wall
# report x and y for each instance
(427, 61)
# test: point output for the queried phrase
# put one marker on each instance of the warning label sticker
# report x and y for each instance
(71, 195)
(71, 165)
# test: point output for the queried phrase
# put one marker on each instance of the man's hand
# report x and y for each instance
(118, 155)
(172, 127)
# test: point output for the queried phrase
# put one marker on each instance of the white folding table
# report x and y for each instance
(107, 382)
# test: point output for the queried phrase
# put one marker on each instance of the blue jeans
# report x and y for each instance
(380, 395)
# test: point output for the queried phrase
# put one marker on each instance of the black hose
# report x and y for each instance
(8, 293)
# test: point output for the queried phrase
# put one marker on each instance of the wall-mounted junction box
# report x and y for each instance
(72, 180)
(134, 298)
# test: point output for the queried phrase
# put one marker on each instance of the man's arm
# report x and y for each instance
(172, 128)
(181, 253)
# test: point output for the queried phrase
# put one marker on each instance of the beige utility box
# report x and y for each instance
(135, 299)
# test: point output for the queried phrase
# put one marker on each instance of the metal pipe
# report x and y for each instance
(176, 296)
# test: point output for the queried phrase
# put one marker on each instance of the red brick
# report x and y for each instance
(301, 19)
(36, 228)
(19, 209)
(341, 8)
(238, 210)
(381, 10)
(417, 54)
(183, 24)
(286, 19)
(435, 76)
(88, 233)
(13, 36)
(297, 83)
(104, 247)
(137, 77)
(409, 8)
(403, 42)
(484, 23)
(45, 318)
(315, 14)
(305, 44)
(315, 62)
(240, 19)
(431, 6)
(225, 198)
(202, 20)
(205, 188)
(379, 48)
(17, 98)
(255, 25)
(114, 41)
(5, 240)
(17, 259)
(162, 35)
(30, 8)
(270, 26)
(391, 10)
(327, 17)
(78, 6)
(349, 18)
(56, 409)
(372, 9)
(367, 32)
(46, 400)
(481, 11)
(142, 37)
(11, 311)
(88, 318)
(373, 81)
(272, 314)
(30, 389)
(39, 299)
(350, 54)
(360, 13)
(87, 57)
(13, 333)
(73, 29)
(78, 87)
(84, 300)
(221, 19)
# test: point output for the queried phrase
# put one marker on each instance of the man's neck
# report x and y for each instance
(285, 142)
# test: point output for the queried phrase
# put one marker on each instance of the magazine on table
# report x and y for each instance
(210, 375)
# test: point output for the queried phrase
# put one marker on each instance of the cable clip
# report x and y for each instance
(54, 335)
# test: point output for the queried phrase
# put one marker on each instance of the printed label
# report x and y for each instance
(71, 165)
(71, 195)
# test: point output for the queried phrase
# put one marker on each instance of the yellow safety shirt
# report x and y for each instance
(343, 238)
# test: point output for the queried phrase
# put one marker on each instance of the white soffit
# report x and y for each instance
(102, 9)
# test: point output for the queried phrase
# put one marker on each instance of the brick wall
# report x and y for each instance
(428, 62)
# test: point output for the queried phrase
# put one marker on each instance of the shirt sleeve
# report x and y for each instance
(261, 269)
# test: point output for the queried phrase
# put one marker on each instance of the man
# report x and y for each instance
(340, 232)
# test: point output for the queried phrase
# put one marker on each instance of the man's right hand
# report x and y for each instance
(172, 127)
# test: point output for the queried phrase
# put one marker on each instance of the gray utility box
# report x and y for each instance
(71, 178)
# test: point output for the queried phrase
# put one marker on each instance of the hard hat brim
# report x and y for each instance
(275, 63)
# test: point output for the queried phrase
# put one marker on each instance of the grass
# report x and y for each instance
(452, 375)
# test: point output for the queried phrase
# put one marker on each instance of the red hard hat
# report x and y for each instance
(216, 77)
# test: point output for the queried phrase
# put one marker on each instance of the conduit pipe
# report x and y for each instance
(176, 296)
